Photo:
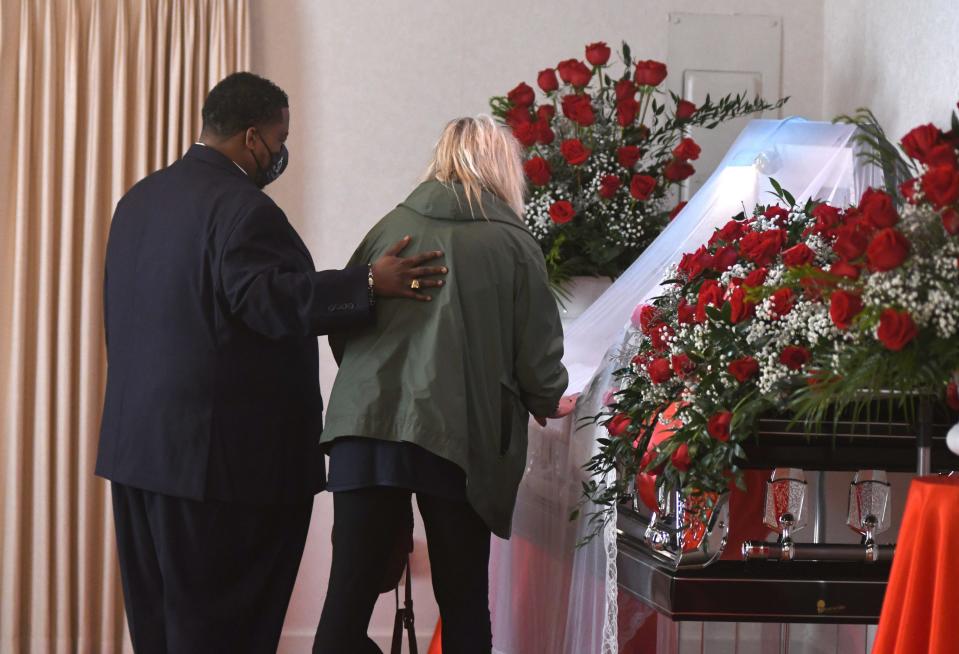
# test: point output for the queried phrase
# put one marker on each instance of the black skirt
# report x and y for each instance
(367, 462)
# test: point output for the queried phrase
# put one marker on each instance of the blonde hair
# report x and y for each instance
(480, 154)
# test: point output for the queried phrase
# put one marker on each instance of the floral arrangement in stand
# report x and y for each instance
(604, 154)
(799, 308)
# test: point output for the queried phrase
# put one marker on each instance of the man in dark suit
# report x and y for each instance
(212, 416)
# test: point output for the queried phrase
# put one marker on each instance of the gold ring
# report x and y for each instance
(415, 284)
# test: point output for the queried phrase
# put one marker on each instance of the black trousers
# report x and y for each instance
(206, 576)
(367, 525)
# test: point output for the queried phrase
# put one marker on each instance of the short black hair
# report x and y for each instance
(240, 101)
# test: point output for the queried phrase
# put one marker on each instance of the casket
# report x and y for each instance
(823, 589)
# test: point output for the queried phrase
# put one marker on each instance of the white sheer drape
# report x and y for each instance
(547, 595)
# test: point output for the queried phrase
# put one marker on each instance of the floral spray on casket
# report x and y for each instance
(793, 308)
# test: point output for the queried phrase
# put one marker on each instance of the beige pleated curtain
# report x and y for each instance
(95, 95)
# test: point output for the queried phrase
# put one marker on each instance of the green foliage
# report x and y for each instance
(877, 149)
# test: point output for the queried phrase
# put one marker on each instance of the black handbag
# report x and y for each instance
(404, 617)
(398, 564)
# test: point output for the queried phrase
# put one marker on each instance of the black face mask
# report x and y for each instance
(278, 162)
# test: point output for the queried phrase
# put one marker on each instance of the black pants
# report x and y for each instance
(206, 577)
(367, 524)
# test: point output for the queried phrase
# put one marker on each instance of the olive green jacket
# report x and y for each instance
(458, 375)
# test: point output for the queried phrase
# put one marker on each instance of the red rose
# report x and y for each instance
(908, 189)
(878, 209)
(740, 308)
(547, 80)
(680, 458)
(681, 364)
(782, 302)
(756, 278)
(843, 307)
(827, 219)
(794, 357)
(730, 232)
(628, 155)
(777, 213)
(941, 185)
(718, 425)
(642, 186)
(626, 111)
(597, 53)
(525, 133)
(574, 151)
(648, 318)
(608, 186)
(887, 250)
(950, 221)
(844, 269)
(685, 312)
(677, 171)
(575, 72)
(561, 212)
(896, 329)
(685, 110)
(687, 150)
(537, 169)
(798, 255)
(618, 425)
(517, 116)
(694, 263)
(650, 73)
(545, 112)
(920, 140)
(743, 369)
(952, 396)
(624, 88)
(850, 243)
(659, 370)
(851, 216)
(579, 109)
(522, 96)
(544, 134)
(725, 258)
(675, 212)
(659, 335)
(762, 247)
(942, 155)
(710, 294)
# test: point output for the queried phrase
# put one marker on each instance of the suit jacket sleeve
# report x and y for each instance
(338, 341)
(538, 337)
(266, 289)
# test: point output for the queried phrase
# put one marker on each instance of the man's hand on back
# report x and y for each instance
(396, 276)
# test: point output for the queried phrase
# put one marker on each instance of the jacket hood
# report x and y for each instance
(440, 201)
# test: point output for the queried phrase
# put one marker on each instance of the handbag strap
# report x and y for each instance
(404, 617)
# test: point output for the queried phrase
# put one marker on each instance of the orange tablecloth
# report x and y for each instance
(920, 614)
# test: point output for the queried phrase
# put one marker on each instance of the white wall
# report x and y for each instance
(372, 83)
(898, 57)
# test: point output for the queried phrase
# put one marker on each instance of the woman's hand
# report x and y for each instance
(566, 406)
(396, 276)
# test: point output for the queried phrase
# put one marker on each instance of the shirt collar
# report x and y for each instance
(234, 163)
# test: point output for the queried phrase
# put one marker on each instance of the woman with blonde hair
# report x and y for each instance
(435, 398)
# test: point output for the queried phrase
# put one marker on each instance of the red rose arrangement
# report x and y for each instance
(604, 155)
(792, 309)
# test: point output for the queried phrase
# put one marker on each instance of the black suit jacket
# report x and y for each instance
(212, 307)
